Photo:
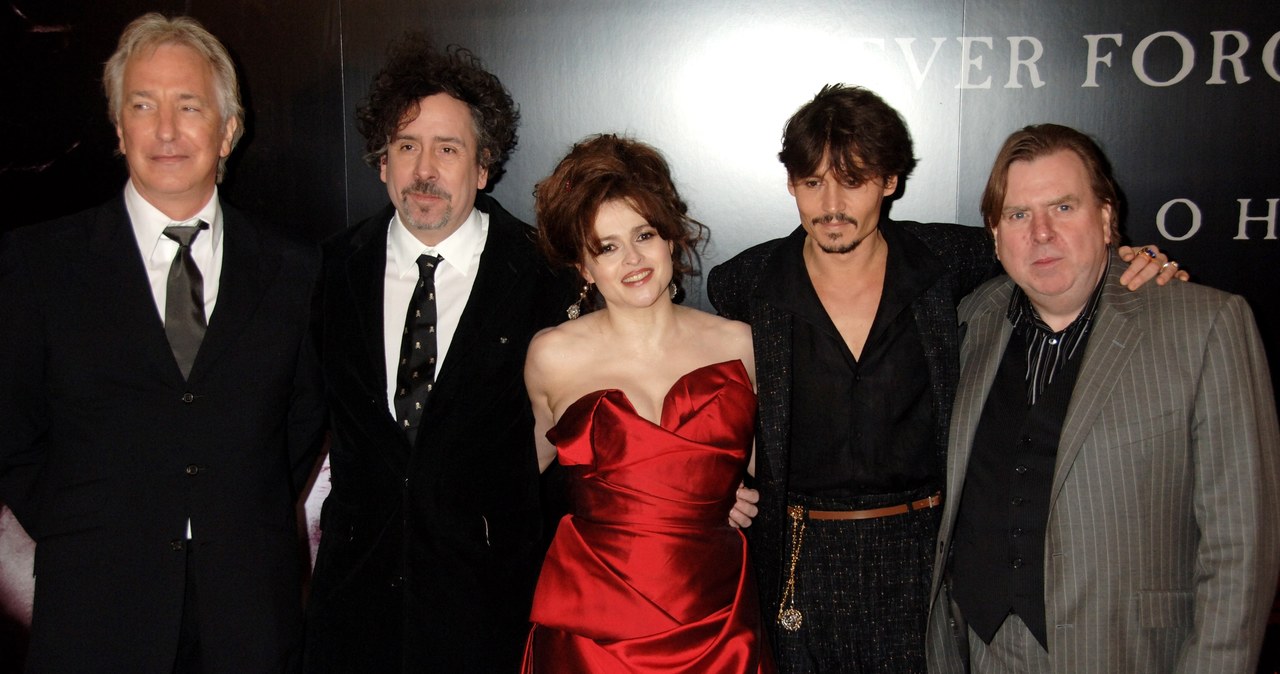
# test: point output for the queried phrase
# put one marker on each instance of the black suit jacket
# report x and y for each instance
(959, 258)
(106, 451)
(429, 553)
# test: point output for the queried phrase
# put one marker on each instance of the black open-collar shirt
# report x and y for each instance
(1047, 350)
(864, 426)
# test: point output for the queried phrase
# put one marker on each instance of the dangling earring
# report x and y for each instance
(575, 309)
(674, 290)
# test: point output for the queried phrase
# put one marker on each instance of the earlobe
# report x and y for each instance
(890, 185)
(232, 125)
(482, 180)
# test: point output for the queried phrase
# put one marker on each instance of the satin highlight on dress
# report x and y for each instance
(646, 575)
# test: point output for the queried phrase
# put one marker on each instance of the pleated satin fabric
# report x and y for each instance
(646, 575)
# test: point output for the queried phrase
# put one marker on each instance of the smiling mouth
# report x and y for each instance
(637, 276)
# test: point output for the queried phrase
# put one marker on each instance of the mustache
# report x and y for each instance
(834, 217)
(426, 188)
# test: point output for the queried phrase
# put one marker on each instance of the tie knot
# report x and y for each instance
(427, 264)
(185, 233)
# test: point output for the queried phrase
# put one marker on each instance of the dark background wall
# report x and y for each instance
(57, 148)
(1184, 97)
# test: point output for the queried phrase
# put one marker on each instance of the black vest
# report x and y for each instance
(997, 564)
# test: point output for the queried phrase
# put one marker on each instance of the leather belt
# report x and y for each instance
(887, 511)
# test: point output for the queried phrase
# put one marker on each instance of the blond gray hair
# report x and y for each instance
(152, 30)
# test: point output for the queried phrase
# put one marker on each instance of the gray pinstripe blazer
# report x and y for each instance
(1163, 541)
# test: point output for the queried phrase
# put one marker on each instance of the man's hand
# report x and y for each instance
(1146, 263)
(744, 510)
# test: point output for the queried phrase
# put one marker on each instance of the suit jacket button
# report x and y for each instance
(193, 470)
(188, 397)
(177, 545)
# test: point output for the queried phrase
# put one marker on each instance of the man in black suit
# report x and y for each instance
(430, 544)
(159, 392)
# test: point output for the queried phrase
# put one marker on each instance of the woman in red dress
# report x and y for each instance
(650, 406)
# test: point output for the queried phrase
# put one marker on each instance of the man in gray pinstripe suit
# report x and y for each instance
(1113, 458)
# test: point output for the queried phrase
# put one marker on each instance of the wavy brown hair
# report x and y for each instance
(414, 70)
(606, 168)
(864, 138)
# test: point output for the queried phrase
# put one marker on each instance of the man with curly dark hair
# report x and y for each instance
(432, 530)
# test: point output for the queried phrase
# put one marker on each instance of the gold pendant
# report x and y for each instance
(790, 620)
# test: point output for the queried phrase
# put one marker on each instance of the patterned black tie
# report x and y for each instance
(417, 372)
(184, 321)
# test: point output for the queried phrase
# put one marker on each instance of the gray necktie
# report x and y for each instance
(184, 322)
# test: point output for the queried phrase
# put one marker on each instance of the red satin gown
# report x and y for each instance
(646, 575)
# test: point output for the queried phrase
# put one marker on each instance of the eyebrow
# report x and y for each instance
(1058, 201)
(147, 93)
(435, 139)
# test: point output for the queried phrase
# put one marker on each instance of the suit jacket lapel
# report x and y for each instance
(366, 278)
(1114, 339)
(111, 256)
(773, 369)
(248, 268)
(986, 335)
(501, 267)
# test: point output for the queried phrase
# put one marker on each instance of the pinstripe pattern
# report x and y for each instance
(1014, 650)
(1163, 541)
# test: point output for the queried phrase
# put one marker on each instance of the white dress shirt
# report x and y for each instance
(159, 250)
(455, 277)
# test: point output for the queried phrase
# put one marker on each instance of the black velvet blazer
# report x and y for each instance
(430, 553)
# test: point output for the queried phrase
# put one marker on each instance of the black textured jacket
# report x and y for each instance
(959, 257)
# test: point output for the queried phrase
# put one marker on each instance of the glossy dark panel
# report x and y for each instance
(58, 147)
(708, 83)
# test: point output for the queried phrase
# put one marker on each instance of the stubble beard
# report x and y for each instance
(410, 209)
(832, 243)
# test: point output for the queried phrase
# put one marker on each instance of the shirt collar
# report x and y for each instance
(458, 249)
(149, 223)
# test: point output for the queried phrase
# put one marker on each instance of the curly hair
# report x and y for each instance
(606, 168)
(414, 70)
(1041, 140)
(864, 138)
(147, 33)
